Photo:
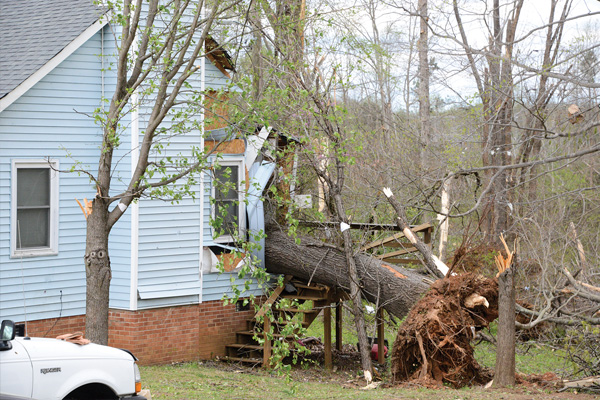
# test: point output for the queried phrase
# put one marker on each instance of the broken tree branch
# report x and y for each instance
(431, 262)
(584, 290)
(580, 251)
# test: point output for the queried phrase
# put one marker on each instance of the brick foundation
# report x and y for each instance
(53, 327)
(162, 335)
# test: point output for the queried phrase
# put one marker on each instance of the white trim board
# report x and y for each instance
(37, 76)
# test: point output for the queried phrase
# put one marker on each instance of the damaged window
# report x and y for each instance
(228, 204)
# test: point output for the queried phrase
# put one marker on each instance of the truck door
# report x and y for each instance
(16, 371)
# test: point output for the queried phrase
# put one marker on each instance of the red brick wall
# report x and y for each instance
(162, 335)
(51, 328)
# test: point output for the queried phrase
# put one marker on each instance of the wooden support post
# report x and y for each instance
(327, 337)
(380, 337)
(267, 345)
(338, 326)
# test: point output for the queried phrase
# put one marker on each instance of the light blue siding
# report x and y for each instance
(119, 243)
(170, 248)
(214, 79)
(53, 120)
(50, 120)
(169, 240)
(217, 286)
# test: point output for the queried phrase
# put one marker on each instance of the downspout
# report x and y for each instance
(201, 244)
(135, 206)
(102, 72)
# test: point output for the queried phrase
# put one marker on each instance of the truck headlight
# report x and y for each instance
(138, 378)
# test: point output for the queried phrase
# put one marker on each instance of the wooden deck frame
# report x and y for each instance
(395, 241)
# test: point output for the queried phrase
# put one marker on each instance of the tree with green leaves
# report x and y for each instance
(160, 47)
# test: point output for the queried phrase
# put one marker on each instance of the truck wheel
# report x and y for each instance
(92, 391)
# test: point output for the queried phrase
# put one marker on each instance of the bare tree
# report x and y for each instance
(495, 86)
(424, 104)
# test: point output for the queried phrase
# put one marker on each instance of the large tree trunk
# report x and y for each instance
(395, 288)
(505, 354)
(98, 274)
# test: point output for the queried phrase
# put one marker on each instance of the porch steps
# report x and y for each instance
(315, 297)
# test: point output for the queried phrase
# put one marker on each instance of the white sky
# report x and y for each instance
(534, 14)
(453, 78)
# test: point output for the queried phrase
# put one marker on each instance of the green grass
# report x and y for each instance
(531, 358)
(214, 380)
(195, 381)
(349, 331)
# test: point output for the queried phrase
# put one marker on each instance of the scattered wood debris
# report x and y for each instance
(575, 114)
(589, 382)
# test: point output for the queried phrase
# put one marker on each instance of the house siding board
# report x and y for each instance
(169, 235)
(28, 130)
(168, 245)
(215, 79)
(169, 238)
(120, 236)
(119, 246)
(167, 302)
(218, 285)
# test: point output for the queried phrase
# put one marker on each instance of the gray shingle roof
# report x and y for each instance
(34, 31)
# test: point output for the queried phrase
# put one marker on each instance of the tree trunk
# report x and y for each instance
(396, 288)
(424, 105)
(256, 55)
(98, 274)
(444, 222)
(505, 352)
(355, 295)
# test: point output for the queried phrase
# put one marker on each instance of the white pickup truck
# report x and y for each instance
(40, 369)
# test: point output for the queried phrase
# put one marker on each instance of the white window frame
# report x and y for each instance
(52, 249)
(233, 162)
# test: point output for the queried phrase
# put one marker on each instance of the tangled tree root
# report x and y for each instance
(434, 341)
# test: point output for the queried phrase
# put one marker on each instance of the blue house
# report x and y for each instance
(54, 71)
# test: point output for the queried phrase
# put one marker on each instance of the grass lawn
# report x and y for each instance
(216, 380)
(219, 380)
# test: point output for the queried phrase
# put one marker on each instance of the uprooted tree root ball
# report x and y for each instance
(434, 343)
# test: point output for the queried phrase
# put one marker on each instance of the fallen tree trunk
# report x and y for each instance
(394, 288)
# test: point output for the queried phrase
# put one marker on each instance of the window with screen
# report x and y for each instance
(34, 208)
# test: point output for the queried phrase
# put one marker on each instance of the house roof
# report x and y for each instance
(218, 55)
(37, 35)
(32, 32)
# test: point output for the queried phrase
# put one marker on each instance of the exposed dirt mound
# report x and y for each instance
(477, 258)
(434, 341)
